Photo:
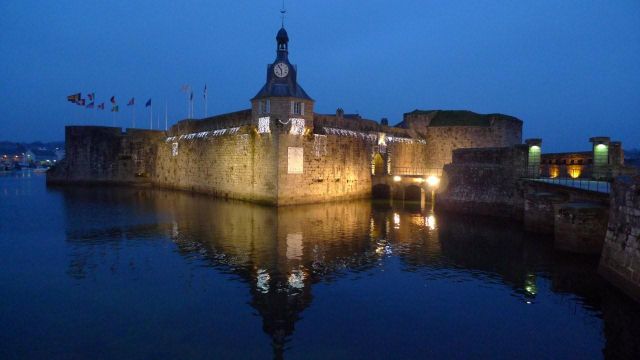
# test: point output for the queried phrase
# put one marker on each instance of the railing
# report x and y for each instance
(400, 170)
(585, 177)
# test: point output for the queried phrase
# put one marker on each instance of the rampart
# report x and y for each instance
(485, 182)
(620, 261)
(106, 154)
(446, 131)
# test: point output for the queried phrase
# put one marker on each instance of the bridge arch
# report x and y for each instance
(381, 191)
(413, 193)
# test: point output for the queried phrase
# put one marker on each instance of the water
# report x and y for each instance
(148, 274)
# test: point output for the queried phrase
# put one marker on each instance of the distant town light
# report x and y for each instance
(433, 181)
(397, 178)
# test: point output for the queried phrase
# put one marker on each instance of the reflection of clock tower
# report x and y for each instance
(282, 103)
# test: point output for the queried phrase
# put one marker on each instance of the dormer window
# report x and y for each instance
(297, 108)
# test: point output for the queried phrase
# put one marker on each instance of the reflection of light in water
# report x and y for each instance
(431, 222)
(174, 230)
(296, 279)
(530, 287)
(294, 246)
(263, 281)
(396, 221)
(383, 248)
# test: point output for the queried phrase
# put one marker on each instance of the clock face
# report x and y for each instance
(281, 69)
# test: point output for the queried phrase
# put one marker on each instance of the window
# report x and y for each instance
(297, 107)
(264, 106)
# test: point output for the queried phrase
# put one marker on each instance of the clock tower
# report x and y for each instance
(282, 103)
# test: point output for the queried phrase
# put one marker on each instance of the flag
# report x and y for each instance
(101, 106)
(131, 102)
(113, 100)
(185, 88)
(74, 98)
(148, 103)
(114, 108)
(205, 91)
(91, 96)
(191, 97)
(80, 102)
(90, 105)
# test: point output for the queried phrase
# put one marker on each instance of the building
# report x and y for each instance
(279, 151)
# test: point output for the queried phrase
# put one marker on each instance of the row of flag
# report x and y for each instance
(78, 100)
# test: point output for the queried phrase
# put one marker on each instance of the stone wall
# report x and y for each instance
(484, 181)
(620, 261)
(239, 165)
(106, 154)
(334, 168)
(446, 131)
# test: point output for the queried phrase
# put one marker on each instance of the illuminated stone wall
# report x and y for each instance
(484, 181)
(334, 168)
(238, 163)
(620, 260)
(446, 131)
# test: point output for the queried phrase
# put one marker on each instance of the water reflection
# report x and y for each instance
(282, 253)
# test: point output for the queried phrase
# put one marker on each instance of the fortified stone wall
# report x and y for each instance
(237, 163)
(620, 260)
(224, 121)
(446, 131)
(484, 181)
(334, 168)
(106, 154)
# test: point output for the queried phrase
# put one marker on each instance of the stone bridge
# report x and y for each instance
(407, 184)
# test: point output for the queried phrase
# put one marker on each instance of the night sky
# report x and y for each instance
(569, 69)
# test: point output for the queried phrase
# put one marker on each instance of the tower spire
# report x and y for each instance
(283, 12)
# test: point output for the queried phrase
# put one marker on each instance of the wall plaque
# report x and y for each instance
(295, 160)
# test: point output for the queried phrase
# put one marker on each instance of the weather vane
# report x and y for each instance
(283, 12)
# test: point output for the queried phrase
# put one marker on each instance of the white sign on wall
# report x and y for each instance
(174, 149)
(295, 160)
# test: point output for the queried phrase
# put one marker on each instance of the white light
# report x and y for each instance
(296, 279)
(433, 181)
(396, 220)
(397, 178)
(297, 126)
(263, 125)
(263, 281)
(431, 222)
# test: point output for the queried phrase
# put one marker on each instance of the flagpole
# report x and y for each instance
(133, 110)
(151, 116)
(205, 100)
(165, 116)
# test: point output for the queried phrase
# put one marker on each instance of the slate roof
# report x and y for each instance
(462, 117)
(282, 90)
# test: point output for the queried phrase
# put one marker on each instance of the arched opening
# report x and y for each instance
(412, 193)
(378, 164)
(381, 191)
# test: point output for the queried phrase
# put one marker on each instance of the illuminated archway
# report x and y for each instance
(378, 164)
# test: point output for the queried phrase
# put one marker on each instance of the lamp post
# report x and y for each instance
(433, 182)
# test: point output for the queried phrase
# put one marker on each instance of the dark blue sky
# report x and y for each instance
(568, 69)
